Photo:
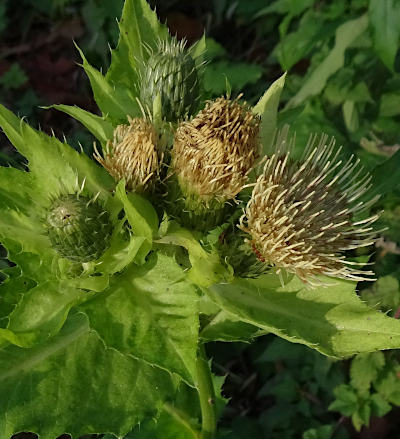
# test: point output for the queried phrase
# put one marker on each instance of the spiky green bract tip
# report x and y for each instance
(171, 73)
(78, 227)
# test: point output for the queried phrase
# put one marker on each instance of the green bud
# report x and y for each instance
(78, 227)
(171, 73)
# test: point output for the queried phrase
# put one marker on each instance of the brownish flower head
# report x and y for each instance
(132, 154)
(214, 152)
(301, 215)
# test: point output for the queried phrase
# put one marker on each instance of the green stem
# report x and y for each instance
(206, 396)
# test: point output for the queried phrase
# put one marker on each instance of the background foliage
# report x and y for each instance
(343, 60)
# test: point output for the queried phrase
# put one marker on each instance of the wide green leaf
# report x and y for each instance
(384, 17)
(150, 311)
(226, 327)
(74, 384)
(54, 166)
(333, 320)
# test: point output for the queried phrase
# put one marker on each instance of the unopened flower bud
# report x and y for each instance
(212, 157)
(132, 155)
(79, 228)
(171, 73)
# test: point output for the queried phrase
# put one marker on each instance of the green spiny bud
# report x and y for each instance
(78, 227)
(171, 73)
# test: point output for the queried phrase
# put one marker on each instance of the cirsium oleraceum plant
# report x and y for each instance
(194, 223)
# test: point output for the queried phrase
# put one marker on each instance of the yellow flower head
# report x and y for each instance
(215, 151)
(302, 215)
(132, 154)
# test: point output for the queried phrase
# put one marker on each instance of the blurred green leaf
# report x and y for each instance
(346, 34)
(346, 400)
(364, 370)
(384, 16)
(13, 78)
(390, 104)
(238, 74)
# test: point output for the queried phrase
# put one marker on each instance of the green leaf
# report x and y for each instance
(139, 28)
(207, 268)
(388, 384)
(238, 74)
(362, 415)
(54, 165)
(267, 108)
(15, 188)
(226, 327)
(384, 16)
(140, 213)
(380, 407)
(346, 34)
(322, 432)
(364, 370)
(151, 312)
(98, 126)
(298, 44)
(350, 116)
(332, 320)
(383, 294)
(115, 100)
(389, 105)
(346, 400)
(13, 78)
(41, 313)
(74, 384)
(386, 176)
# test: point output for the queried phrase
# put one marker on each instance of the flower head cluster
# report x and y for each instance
(303, 216)
(214, 152)
(132, 154)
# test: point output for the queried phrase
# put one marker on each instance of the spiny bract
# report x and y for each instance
(78, 227)
(301, 215)
(171, 73)
(132, 154)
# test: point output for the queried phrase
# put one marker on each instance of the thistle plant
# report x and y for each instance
(116, 286)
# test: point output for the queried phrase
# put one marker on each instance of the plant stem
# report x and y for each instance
(206, 396)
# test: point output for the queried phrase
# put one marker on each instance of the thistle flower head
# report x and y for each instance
(132, 154)
(214, 153)
(301, 215)
(78, 227)
(171, 73)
